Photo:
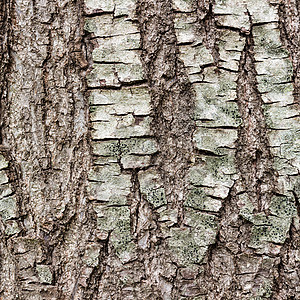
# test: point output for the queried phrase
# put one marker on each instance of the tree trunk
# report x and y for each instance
(149, 149)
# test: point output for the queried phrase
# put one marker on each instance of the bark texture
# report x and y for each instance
(149, 149)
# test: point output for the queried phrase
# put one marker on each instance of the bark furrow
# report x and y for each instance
(253, 154)
(45, 131)
(172, 98)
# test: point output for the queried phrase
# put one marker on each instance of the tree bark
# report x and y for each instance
(149, 149)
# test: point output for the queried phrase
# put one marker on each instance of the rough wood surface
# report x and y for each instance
(149, 149)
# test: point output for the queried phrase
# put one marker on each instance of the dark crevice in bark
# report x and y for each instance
(287, 281)
(92, 286)
(5, 32)
(221, 278)
(14, 175)
(93, 281)
(8, 264)
(134, 202)
(289, 25)
(172, 97)
(207, 27)
(221, 258)
(253, 154)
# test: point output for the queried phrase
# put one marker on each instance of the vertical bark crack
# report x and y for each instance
(5, 29)
(172, 97)
(287, 281)
(253, 152)
(289, 26)
(206, 24)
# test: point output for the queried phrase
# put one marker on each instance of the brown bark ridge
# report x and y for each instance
(149, 149)
(45, 133)
(5, 30)
(172, 97)
(287, 281)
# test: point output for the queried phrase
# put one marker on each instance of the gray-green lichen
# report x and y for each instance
(232, 13)
(198, 199)
(8, 200)
(3, 177)
(3, 162)
(8, 208)
(184, 244)
(215, 172)
(189, 245)
(44, 274)
(114, 222)
(120, 123)
(268, 228)
(151, 187)
(12, 227)
(121, 126)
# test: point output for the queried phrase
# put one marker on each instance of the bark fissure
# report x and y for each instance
(253, 154)
(288, 270)
(207, 27)
(5, 31)
(172, 97)
(289, 25)
(51, 147)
